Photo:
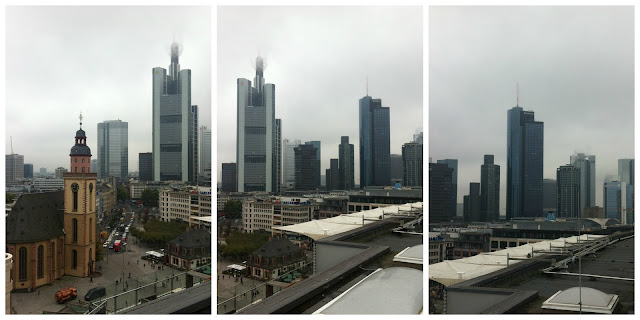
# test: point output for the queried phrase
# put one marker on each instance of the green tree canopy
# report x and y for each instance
(122, 193)
(233, 209)
(240, 244)
(10, 197)
(150, 197)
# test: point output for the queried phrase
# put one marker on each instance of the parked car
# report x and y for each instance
(95, 293)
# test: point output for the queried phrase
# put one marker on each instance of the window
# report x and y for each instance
(76, 169)
(90, 233)
(22, 260)
(75, 229)
(40, 261)
(74, 189)
(82, 169)
(75, 259)
(82, 160)
(76, 160)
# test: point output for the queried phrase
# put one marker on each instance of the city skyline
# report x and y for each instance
(102, 70)
(545, 59)
(322, 80)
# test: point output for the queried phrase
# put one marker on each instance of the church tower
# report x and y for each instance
(80, 210)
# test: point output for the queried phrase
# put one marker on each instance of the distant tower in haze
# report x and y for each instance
(288, 166)
(375, 154)
(205, 152)
(258, 135)
(440, 189)
(587, 167)
(345, 164)
(175, 123)
(490, 189)
(113, 149)
(525, 147)
(453, 164)
(569, 192)
(626, 170)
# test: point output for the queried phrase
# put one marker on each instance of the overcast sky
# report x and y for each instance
(319, 59)
(63, 60)
(575, 68)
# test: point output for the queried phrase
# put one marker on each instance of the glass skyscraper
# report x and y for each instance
(587, 165)
(490, 190)
(205, 152)
(175, 123)
(345, 164)
(375, 154)
(626, 170)
(113, 149)
(453, 164)
(258, 135)
(569, 191)
(525, 145)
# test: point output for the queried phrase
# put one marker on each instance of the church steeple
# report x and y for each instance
(80, 153)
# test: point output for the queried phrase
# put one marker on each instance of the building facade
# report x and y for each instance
(412, 164)
(28, 170)
(44, 184)
(626, 170)
(288, 163)
(549, 196)
(440, 190)
(175, 123)
(189, 250)
(453, 164)
(262, 215)
(490, 189)
(618, 201)
(346, 164)
(113, 149)
(60, 171)
(306, 167)
(397, 168)
(229, 179)
(333, 175)
(14, 168)
(525, 147)
(473, 204)
(205, 152)
(275, 258)
(569, 179)
(318, 146)
(256, 134)
(145, 166)
(375, 155)
(586, 164)
(183, 204)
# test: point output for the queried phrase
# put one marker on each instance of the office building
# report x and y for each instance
(397, 166)
(412, 164)
(569, 179)
(175, 123)
(618, 201)
(257, 133)
(626, 170)
(346, 164)
(28, 170)
(262, 215)
(525, 145)
(94, 165)
(453, 164)
(184, 204)
(440, 189)
(277, 157)
(229, 178)
(333, 174)
(472, 204)
(288, 163)
(316, 144)
(375, 155)
(205, 152)
(587, 167)
(306, 167)
(60, 171)
(14, 165)
(549, 196)
(113, 149)
(44, 170)
(490, 189)
(145, 166)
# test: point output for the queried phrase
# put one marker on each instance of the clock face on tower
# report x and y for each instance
(74, 187)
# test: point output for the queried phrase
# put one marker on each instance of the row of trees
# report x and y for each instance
(157, 232)
(239, 244)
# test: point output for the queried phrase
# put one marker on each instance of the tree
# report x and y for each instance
(10, 197)
(122, 193)
(240, 244)
(99, 255)
(233, 209)
(150, 197)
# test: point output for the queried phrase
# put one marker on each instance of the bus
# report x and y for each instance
(116, 246)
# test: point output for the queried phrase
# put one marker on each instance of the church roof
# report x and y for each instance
(81, 150)
(36, 217)
(277, 248)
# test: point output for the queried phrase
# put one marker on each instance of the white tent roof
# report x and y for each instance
(450, 272)
(319, 229)
(410, 255)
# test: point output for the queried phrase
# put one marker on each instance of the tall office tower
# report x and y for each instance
(375, 154)
(549, 196)
(14, 166)
(145, 166)
(256, 134)
(626, 170)
(175, 123)
(316, 144)
(306, 167)
(205, 152)
(396, 168)
(28, 170)
(525, 145)
(490, 189)
(345, 164)
(277, 157)
(440, 189)
(472, 204)
(618, 203)
(333, 175)
(587, 166)
(412, 164)
(113, 149)
(453, 164)
(94, 165)
(229, 179)
(569, 191)
(289, 164)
